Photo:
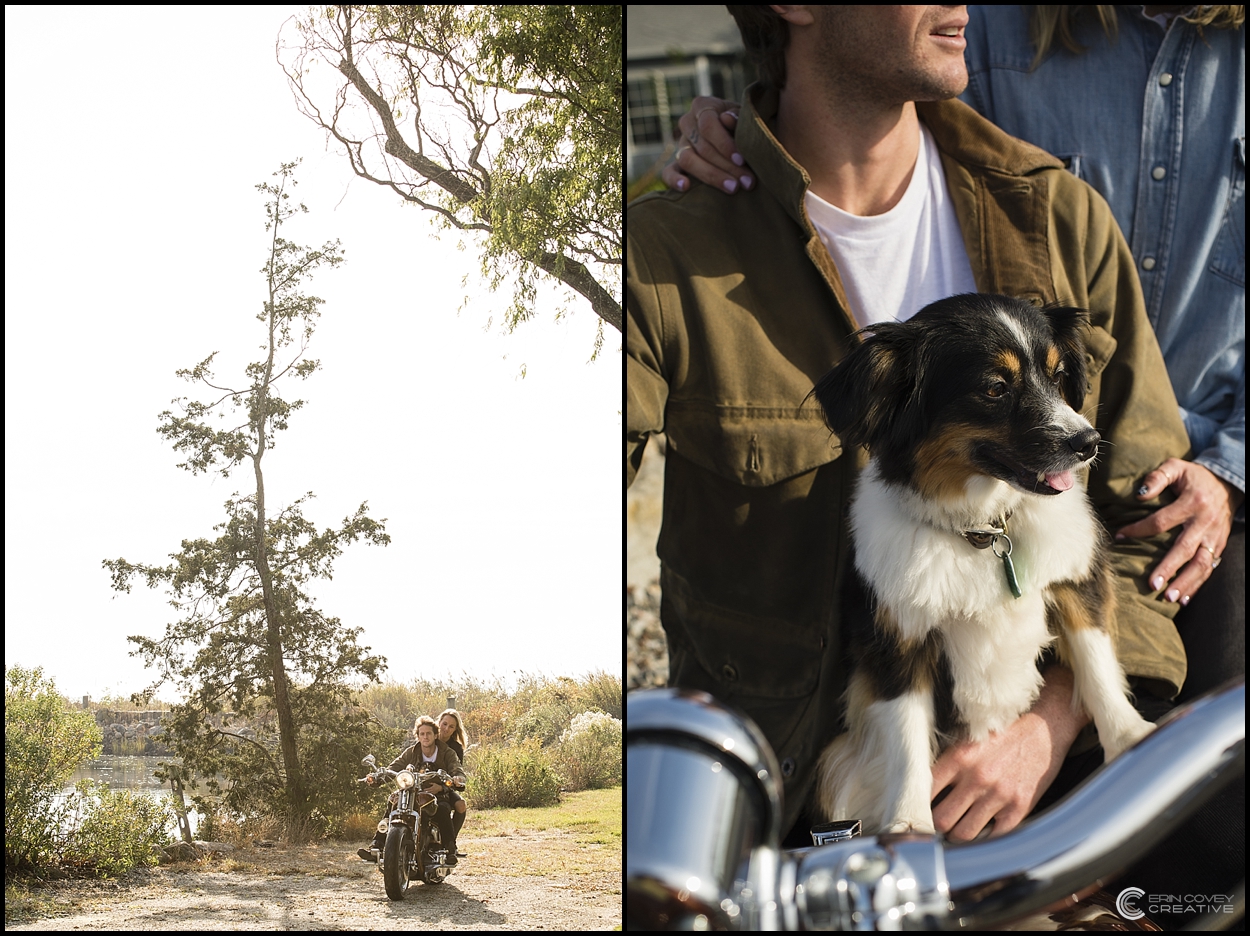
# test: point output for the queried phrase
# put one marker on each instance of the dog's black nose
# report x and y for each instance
(1085, 443)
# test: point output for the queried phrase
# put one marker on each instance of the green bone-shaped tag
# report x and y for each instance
(1008, 566)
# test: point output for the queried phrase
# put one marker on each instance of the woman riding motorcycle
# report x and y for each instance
(427, 754)
(451, 733)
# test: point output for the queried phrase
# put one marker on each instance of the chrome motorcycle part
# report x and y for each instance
(704, 794)
(842, 830)
(703, 849)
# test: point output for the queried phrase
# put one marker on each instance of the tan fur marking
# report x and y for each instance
(859, 696)
(1072, 612)
(885, 620)
(1052, 359)
(944, 463)
(1010, 362)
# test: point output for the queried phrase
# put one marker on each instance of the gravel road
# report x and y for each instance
(327, 887)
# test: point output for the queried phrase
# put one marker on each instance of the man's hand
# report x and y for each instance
(1003, 777)
(705, 149)
(1204, 506)
(369, 779)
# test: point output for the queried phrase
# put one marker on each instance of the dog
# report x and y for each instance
(976, 543)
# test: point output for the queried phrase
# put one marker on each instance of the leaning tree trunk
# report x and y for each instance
(296, 802)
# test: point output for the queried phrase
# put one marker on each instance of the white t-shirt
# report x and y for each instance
(894, 264)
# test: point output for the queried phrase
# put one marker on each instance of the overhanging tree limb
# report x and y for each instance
(536, 167)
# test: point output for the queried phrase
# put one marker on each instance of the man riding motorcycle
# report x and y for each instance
(429, 754)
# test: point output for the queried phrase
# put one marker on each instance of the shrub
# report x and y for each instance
(112, 831)
(521, 775)
(589, 754)
(44, 742)
(357, 826)
(543, 723)
(601, 691)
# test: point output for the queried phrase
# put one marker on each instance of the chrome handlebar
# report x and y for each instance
(704, 829)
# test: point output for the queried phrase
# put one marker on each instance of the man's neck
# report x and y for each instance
(860, 156)
(430, 752)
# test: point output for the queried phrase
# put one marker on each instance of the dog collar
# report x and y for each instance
(994, 537)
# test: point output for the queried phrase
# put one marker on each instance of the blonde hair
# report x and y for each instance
(459, 733)
(1051, 22)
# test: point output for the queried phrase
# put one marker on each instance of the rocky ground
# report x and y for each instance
(646, 653)
(646, 650)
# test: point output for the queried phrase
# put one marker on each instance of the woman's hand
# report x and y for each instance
(705, 149)
(1204, 506)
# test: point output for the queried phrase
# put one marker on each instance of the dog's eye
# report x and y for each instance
(1057, 376)
(996, 389)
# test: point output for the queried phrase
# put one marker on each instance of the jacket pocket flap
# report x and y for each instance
(1099, 346)
(754, 446)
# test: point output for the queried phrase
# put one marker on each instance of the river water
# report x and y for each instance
(129, 772)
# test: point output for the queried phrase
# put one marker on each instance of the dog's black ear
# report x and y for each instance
(866, 389)
(1068, 324)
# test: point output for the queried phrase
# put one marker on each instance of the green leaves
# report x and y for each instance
(248, 638)
(44, 742)
(517, 136)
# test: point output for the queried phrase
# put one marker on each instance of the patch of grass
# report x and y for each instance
(594, 815)
(24, 903)
(357, 826)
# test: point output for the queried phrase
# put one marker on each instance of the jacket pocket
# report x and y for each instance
(1228, 256)
(755, 446)
(747, 656)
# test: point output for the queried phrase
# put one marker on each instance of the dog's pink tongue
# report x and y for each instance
(1060, 481)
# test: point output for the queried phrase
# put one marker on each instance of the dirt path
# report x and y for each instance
(549, 880)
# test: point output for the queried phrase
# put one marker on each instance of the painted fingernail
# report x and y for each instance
(747, 181)
(1141, 491)
(1157, 582)
(681, 185)
(733, 114)
(1119, 536)
(730, 186)
(1172, 594)
(1185, 600)
(738, 160)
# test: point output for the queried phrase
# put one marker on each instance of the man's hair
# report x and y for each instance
(425, 720)
(765, 35)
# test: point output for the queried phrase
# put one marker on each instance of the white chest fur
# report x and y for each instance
(911, 553)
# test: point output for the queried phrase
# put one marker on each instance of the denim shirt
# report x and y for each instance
(1155, 121)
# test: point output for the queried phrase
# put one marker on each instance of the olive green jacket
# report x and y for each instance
(444, 759)
(735, 309)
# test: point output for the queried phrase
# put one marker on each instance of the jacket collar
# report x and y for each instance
(959, 132)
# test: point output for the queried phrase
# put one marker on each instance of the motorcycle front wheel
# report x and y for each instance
(397, 858)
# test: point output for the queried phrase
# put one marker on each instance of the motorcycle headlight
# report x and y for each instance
(404, 779)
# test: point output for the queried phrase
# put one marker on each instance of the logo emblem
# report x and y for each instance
(1125, 903)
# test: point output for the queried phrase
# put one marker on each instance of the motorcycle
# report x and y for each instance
(704, 815)
(414, 847)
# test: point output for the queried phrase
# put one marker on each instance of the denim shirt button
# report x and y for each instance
(1148, 263)
(1165, 79)
(1158, 172)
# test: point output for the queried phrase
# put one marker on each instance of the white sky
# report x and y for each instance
(133, 240)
